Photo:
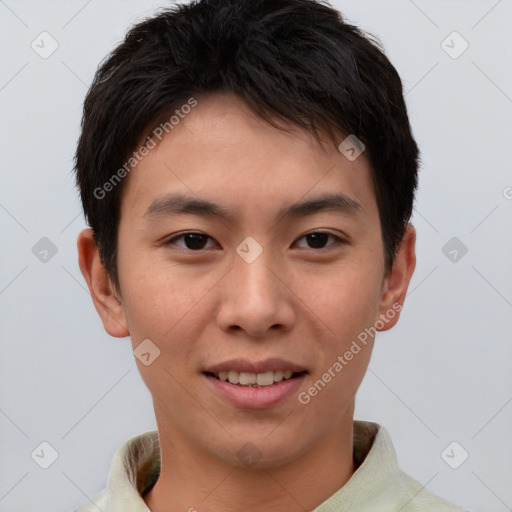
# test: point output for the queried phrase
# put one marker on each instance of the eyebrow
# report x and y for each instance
(181, 204)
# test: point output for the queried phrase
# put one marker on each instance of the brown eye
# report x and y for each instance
(195, 241)
(318, 240)
(191, 241)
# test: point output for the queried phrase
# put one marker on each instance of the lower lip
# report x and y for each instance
(256, 398)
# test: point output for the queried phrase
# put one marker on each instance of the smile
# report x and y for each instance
(254, 380)
(248, 384)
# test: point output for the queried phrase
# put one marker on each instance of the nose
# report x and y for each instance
(255, 299)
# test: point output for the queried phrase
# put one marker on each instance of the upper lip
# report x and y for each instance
(246, 366)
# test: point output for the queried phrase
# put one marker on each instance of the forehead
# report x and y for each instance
(222, 152)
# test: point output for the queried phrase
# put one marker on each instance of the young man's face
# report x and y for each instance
(280, 301)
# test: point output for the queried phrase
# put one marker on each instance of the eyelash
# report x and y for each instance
(172, 240)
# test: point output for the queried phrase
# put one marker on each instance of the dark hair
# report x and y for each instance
(296, 61)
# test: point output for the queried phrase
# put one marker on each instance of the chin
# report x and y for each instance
(258, 452)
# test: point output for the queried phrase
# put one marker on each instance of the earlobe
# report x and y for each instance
(106, 300)
(397, 281)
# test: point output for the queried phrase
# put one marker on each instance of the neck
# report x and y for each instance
(194, 481)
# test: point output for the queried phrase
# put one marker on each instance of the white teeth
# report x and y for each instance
(246, 379)
(233, 377)
(265, 379)
(278, 376)
(253, 379)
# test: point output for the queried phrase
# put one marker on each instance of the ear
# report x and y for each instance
(106, 301)
(394, 288)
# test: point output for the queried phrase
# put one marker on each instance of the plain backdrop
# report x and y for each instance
(442, 375)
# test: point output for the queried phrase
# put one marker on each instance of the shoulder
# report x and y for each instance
(135, 467)
(423, 500)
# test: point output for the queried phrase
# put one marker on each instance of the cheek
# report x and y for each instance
(345, 299)
(160, 296)
(347, 304)
(171, 322)
(169, 312)
(168, 307)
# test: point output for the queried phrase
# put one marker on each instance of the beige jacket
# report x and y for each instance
(376, 486)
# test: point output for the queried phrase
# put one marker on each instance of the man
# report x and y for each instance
(248, 172)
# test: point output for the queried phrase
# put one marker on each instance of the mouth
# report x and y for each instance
(255, 385)
(255, 380)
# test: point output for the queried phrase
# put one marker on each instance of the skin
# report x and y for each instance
(300, 303)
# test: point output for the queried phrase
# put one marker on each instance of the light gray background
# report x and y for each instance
(442, 375)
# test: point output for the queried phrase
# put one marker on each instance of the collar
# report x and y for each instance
(376, 486)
